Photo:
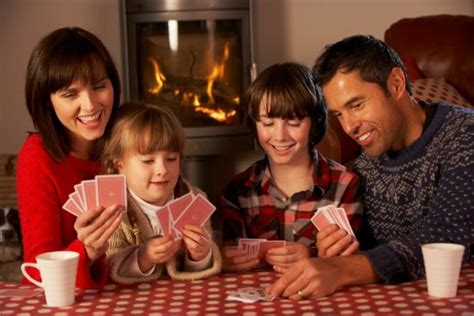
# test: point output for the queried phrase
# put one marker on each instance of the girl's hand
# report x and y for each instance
(95, 227)
(197, 242)
(157, 250)
(284, 257)
(333, 241)
(237, 260)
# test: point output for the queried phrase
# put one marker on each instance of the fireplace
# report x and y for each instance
(195, 57)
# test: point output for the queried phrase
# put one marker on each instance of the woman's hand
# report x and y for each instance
(157, 250)
(237, 260)
(197, 241)
(95, 227)
(334, 241)
(284, 257)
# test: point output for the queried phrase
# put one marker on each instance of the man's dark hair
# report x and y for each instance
(372, 58)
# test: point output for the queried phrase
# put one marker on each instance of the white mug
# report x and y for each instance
(58, 271)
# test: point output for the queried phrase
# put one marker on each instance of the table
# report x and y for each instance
(208, 297)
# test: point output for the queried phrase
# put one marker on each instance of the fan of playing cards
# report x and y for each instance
(188, 209)
(331, 214)
(104, 190)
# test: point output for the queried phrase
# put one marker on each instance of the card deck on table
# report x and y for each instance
(104, 190)
(257, 293)
(250, 295)
(25, 293)
(331, 214)
(235, 296)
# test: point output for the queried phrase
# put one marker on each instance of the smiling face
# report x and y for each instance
(366, 113)
(285, 141)
(152, 176)
(84, 110)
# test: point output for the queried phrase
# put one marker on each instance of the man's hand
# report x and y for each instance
(308, 278)
(284, 257)
(334, 241)
(318, 277)
(237, 260)
(95, 227)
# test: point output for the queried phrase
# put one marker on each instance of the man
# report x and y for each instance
(417, 172)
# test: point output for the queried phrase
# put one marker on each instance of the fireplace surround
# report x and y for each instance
(195, 57)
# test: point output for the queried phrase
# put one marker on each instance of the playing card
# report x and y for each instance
(264, 246)
(25, 293)
(89, 194)
(111, 189)
(250, 245)
(345, 220)
(163, 216)
(80, 194)
(235, 296)
(320, 220)
(255, 293)
(72, 207)
(197, 213)
(75, 197)
(179, 205)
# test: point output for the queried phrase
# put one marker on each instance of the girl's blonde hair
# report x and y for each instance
(142, 128)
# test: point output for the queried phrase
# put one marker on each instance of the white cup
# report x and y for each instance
(58, 271)
(442, 265)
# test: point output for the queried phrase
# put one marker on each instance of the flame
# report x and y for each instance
(159, 77)
(217, 71)
(218, 114)
(191, 98)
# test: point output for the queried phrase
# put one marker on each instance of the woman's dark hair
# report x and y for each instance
(291, 93)
(63, 56)
(371, 57)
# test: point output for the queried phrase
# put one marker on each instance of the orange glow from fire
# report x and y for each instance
(188, 98)
(159, 77)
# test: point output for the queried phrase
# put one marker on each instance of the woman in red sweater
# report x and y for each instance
(72, 91)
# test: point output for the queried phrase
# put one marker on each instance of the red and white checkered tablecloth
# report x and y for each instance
(208, 297)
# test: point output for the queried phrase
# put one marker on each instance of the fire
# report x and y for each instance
(193, 98)
(159, 77)
(218, 114)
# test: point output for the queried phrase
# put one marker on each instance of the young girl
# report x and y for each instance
(276, 197)
(146, 145)
(72, 92)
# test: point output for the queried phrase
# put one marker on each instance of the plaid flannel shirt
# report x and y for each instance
(253, 207)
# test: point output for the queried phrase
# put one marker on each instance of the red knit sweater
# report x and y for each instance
(43, 186)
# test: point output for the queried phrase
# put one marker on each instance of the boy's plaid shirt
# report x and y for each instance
(253, 207)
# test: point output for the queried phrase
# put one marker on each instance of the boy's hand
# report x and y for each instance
(197, 242)
(95, 227)
(334, 241)
(237, 260)
(284, 257)
(157, 250)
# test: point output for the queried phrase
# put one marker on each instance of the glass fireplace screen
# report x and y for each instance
(194, 67)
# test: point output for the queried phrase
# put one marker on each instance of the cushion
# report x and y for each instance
(436, 90)
(413, 72)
